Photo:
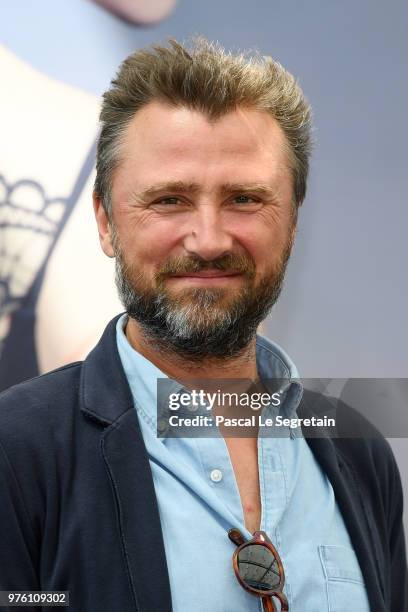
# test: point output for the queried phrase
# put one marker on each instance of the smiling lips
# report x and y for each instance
(207, 275)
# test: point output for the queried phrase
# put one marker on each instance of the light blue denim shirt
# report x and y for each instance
(199, 502)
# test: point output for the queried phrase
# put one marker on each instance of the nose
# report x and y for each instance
(207, 235)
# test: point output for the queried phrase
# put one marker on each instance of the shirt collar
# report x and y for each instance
(272, 363)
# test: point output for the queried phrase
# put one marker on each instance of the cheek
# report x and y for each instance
(148, 244)
(263, 241)
(268, 247)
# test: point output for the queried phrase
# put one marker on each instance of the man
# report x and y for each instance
(202, 165)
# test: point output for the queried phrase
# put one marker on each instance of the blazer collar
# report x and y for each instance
(105, 393)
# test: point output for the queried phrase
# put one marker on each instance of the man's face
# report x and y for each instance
(203, 226)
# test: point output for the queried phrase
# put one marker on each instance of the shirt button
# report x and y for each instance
(161, 426)
(216, 475)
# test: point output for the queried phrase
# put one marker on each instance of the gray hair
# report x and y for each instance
(206, 78)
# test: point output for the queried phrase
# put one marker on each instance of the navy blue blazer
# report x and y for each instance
(78, 510)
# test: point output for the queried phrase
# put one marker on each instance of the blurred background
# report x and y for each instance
(342, 313)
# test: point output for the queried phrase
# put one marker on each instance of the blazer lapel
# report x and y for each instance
(351, 506)
(106, 397)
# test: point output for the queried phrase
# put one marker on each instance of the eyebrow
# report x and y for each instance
(171, 187)
(258, 188)
(261, 189)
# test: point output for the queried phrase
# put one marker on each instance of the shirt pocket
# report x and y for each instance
(344, 581)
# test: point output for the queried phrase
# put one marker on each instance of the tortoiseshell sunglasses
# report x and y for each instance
(259, 569)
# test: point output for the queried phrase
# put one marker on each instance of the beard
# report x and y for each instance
(199, 323)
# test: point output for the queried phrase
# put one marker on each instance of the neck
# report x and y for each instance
(176, 366)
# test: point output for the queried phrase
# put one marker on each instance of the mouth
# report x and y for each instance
(206, 276)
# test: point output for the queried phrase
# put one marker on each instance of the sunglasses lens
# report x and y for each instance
(258, 568)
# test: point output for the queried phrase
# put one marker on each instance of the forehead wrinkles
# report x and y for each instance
(258, 132)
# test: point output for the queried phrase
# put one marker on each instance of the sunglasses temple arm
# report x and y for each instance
(268, 604)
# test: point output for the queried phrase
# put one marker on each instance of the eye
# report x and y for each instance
(245, 200)
(170, 204)
(169, 201)
(242, 199)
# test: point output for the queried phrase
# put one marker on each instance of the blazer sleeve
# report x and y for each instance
(18, 547)
(399, 574)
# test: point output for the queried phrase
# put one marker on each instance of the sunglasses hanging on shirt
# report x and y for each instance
(259, 569)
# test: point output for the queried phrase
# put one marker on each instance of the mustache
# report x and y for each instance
(230, 262)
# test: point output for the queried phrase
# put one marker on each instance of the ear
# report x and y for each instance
(104, 226)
